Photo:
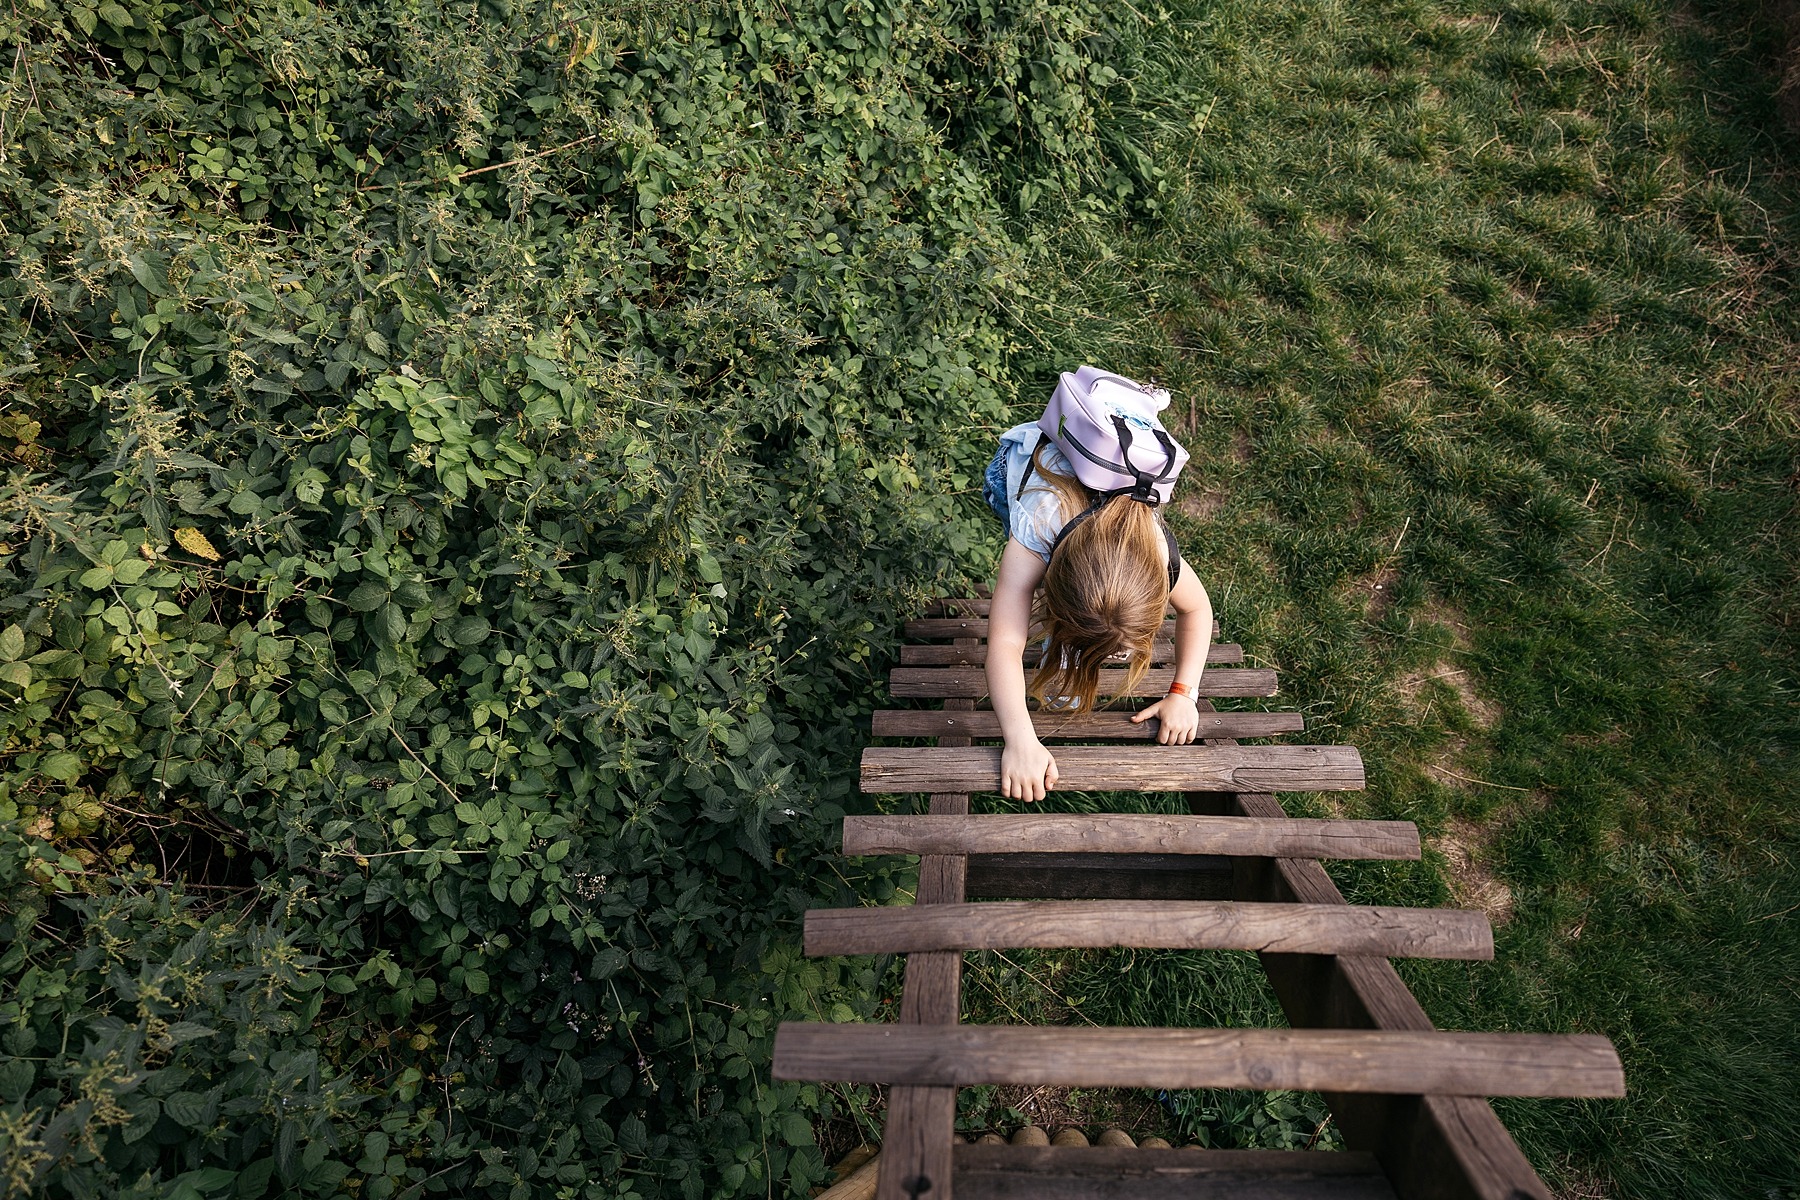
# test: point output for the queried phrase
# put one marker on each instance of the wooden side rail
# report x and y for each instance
(1303, 1060)
(1130, 833)
(970, 683)
(1114, 724)
(1104, 769)
(920, 1120)
(1162, 652)
(1152, 924)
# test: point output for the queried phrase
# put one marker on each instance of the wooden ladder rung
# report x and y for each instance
(894, 769)
(1153, 925)
(1125, 1173)
(1130, 833)
(976, 626)
(1430, 1062)
(1117, 725)
(1162, 652)
(970, 683)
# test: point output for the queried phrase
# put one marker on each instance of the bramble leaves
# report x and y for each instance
(474, 455)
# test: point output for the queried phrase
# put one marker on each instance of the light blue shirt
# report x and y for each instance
(1037, 515)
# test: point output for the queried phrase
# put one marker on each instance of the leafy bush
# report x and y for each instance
(462, 462)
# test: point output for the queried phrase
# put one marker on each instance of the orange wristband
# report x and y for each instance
(1177, 688)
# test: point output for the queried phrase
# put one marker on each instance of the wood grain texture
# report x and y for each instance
(916, 1143)
(1130, 833)
(1117, 1173)
(1112, 725)
(1116, 769)
(1099, 877)
(1162, 653)
(859, 1184)
(1151, 925)
(920, 1120)
(1432, 1147)
(1330, 1060)
(970, 683)
(932, 993)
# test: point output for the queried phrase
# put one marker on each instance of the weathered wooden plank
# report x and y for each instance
(1110, 769)
(1150, 925)
(920, 1119)
(1107, 723)
(1099, 877)
(1309, 1060)
(916, 1140)
(859, 1184)
(975, 625)
(1162, 653)
(1123, 1173)
(1433, 1147)
(1129, 833)
(970, 683)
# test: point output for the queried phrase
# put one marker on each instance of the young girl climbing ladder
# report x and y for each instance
(1080, 492)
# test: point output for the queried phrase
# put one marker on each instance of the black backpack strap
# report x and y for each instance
(1077, 519)
(1174, 558)
(1031, 464)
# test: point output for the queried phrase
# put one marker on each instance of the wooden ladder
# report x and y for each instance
(1236, 874)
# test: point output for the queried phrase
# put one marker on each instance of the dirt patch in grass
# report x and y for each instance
(1484, 714)
(1436, 612)
(1484, 21)
(1465, 847)
(1205, 504)
(1468, 850)
(1378, 592)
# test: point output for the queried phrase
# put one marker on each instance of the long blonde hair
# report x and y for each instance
(1105, 591)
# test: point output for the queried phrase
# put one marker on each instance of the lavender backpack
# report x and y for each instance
(1106, 426)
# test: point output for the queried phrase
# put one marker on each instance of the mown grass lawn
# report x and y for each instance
(1482, 324)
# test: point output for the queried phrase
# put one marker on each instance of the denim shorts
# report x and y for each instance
(993, 488)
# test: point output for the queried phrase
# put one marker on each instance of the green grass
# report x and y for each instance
(1493, 307)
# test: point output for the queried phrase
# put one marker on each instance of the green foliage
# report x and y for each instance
(1255, 1120)
(463, 465)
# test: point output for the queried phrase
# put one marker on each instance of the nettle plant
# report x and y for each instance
(460, 469)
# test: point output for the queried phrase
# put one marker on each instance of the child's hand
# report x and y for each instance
(1027, 770)
(1180, 718)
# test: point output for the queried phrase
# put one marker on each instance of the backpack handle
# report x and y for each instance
(1143, 489)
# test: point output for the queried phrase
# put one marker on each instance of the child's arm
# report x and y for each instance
(1027, 770)
(1193, 635)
